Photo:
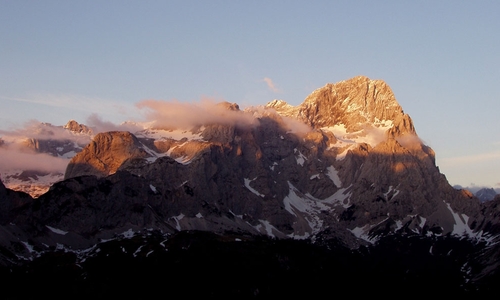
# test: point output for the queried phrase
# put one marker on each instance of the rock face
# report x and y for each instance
(105, 154)
(345, 165)
(76, 127)
(356, 103)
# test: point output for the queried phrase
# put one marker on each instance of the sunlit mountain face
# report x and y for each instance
(337, 189)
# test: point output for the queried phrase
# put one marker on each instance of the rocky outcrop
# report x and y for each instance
(10, 203)
(105, 154)
(76, 127)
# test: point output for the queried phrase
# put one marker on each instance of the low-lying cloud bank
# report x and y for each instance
(35, 129)
(98, 125)
(13, 159)
(175, 114)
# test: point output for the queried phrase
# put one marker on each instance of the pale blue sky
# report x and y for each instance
(62, 60)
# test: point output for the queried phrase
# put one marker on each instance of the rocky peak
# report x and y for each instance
(357, 104)
(282, 106)
(105, 154)
(485, 194)
(229, 106)
(74, 126)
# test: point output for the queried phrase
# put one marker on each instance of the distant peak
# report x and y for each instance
(228, 105)
(279, 105)
(74, 126)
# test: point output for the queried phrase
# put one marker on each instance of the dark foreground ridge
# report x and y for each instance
(193, 263)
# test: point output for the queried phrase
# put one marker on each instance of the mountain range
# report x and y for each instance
(340, 179)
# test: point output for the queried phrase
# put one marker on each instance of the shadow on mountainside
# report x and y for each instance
(201, 264)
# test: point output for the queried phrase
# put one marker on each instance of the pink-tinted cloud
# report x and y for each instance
(409, 140)
(99, 125)
(14, 159)
(289, 124)
(271, 85)
(175, 114)
(38, 130)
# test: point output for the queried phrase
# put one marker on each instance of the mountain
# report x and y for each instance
(344, 173)
(485, 194)
(42, 152)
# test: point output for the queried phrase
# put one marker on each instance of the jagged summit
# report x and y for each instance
(76, 127)
(356, 104)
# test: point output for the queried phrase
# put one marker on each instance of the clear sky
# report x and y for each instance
(62, 60)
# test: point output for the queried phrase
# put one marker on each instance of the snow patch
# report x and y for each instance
(238, 216)
(315, 176)
(371, 134)
(128, 234)
(55, 230)
(363, 232)
(137, 251)
(300, 157)
(334, 176)
(251, 189)
(460, 228)
(388, 195)
(267, 227)
(422, 221)
(340, 197)
(174, 134)
(185, 160)
(308, 207)
(177, 219)
(28, 247)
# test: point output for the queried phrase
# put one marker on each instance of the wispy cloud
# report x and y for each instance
(175, 114)
(14, 159)
(98, 125)
(271, 85)
(37, 130)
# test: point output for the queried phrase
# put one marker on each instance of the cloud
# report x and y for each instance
(35, 129)
(271, 85)
(291, 125)
(175, 114)
(409, 140)
(13, 159)
(98, 125)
